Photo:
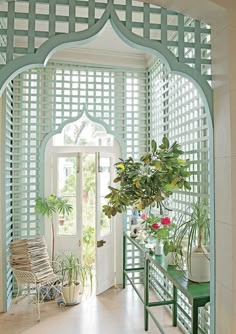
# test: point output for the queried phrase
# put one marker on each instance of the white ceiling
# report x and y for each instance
(106, 49)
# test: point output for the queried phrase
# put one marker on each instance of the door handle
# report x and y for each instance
(100, 243)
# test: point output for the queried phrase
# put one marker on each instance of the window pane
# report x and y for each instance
(66, 184)
(105, 181)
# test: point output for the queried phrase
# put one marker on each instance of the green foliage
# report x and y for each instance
(48, 206)
(70, 182)
(89, 176)
(52, 204)
(88, 245)
(73, 271)
(170, 246)
(155, 228)
(194, 228)
(150, 180)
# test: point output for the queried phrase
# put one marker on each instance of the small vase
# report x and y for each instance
(170, 259)
(158, 247)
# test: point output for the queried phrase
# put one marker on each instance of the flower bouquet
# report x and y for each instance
(159, 228)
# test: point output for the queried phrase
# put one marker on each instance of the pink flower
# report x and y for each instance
(144, 216)
(155, 226)
(165, 221)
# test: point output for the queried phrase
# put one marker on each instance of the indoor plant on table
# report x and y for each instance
(161, 229)
(194, 232)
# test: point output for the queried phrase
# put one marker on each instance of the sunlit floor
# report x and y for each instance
(115, 311)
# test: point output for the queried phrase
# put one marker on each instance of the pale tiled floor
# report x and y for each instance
(115, 311)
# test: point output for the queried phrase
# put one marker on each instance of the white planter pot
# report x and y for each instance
(72, 294)
(158, 247)
(199, 267)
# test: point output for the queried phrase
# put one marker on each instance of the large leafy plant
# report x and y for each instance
(49, 206)
(150, 180)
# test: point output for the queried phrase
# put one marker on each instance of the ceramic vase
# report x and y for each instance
(158, 247)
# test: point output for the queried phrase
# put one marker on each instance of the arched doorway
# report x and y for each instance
(79, 167)
(126, 31)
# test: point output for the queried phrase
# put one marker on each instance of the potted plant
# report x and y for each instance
(194, 232)
(161, 229)
(49, 206)
(172, 251)
(147, 182)
(75, 275)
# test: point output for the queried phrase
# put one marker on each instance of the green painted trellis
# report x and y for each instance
(30, 31)
(170, 34)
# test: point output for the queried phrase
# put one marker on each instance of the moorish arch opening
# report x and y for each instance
(136, 102)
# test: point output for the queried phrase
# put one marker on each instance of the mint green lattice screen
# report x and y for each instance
(45, 98)
(41, 101)
(177, 110)
(8, 182)
(26, 25)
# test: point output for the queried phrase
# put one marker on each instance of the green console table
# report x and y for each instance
(198, 294)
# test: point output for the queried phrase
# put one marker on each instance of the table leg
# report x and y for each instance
(194, 318)
(146, 292)
(174, 311)
(124, 261)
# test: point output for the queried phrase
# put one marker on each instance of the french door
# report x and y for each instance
(83, 178)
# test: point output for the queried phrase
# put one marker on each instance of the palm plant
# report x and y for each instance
(73, 271)
(194, 231)
(49, 206)
(75, 276)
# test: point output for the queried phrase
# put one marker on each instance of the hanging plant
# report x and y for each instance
(150, 180)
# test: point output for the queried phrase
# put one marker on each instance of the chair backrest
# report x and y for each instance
(31, 255)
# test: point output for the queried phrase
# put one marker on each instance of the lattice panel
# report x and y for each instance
(45, 98)
(177, 110)
(117, 98)
(26, 25)
(8, 202)
(135, 259)
(25, 169)
(3, 42)
(189, 40)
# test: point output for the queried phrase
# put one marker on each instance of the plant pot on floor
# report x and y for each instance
(72, 294)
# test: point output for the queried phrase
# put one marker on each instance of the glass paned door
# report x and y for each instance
(105, 260)
(88, 207)
(84, 179)
(68, 183)
(104, 175)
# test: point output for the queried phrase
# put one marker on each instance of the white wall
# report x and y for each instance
(1, 241)
(224, 68)
(221, 15)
